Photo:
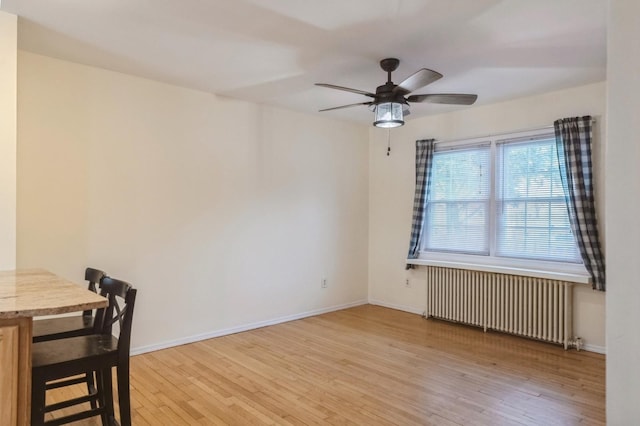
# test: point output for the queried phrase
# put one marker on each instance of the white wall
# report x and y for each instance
(222, 213)
(392, 183)
(8, 85)
(623, 211)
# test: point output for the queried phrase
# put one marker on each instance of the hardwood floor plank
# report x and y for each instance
(365, 366)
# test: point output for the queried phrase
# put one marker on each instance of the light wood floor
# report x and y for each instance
(367, 366)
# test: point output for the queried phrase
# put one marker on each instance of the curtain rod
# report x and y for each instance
(492, 135)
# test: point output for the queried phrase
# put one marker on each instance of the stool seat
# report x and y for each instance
(64, 354)
(58, 328)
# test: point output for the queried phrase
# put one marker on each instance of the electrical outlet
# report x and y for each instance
(407, 283)
(323, 283)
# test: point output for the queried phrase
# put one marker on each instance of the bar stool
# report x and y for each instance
(69, 326)
(98, 352)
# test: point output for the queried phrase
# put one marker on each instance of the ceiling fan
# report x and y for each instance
(391, 101)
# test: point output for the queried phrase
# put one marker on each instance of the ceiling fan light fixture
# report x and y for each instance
(389, 115)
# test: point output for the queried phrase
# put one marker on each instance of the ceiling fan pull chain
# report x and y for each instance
(388, 142)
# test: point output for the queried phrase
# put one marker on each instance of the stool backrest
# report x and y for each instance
(122, 297)
(94, 276)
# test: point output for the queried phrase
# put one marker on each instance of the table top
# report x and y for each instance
(35, 292)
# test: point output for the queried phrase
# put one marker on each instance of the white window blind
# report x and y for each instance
(531, 214)
(457, 212)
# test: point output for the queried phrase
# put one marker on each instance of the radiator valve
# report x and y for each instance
(578, 344)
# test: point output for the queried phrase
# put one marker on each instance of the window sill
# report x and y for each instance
(527, 272)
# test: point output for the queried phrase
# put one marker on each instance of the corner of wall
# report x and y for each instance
(8, 144)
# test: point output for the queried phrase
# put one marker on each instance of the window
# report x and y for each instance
(532, 218)
(458, 207)
(499, 199)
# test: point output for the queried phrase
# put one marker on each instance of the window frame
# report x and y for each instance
(464, 145)
(538, 268)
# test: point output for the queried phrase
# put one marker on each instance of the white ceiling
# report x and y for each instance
(272, 51)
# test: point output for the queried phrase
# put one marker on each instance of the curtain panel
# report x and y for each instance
(424, 160)
(573, 142)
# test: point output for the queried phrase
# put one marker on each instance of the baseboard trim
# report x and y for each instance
(252, 326)
(241, 328)
(412, 310)
(593, 348)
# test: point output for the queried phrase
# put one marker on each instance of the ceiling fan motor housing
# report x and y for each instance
(385, 94)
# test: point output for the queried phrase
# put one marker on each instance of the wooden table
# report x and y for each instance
(25, 294)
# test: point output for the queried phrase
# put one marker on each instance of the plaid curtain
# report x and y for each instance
(573, 142)
(424, 159)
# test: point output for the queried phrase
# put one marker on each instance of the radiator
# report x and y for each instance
(537, 308)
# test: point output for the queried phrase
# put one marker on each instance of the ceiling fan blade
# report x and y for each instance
(418, 79)
(346, 106)
(445, 98)
(346, 89)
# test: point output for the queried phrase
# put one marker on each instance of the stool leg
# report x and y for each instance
(124, 394)
(104, 417)
(107, 395)
(38, 397)
(91, 388)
